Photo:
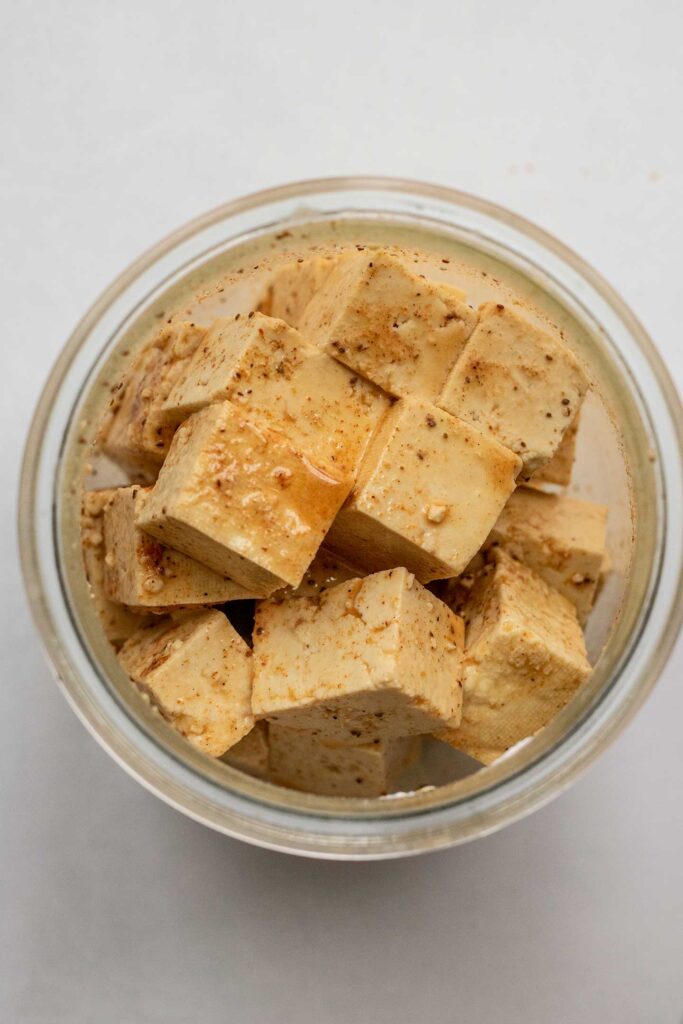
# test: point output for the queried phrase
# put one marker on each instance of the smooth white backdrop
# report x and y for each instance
(118, 123)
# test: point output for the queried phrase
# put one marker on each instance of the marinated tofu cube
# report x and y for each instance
(390, 325)
(239, 498)
(250, 755)
(293, 284)
(300, 760)
(429, 490)
(135, 434)
(118, 623)
(516, 383)
(560, 538)
(198, 672)
(525, 658)
(121, 432)
(559, 469)
(142, 573)
(373, 658)
(271, 372)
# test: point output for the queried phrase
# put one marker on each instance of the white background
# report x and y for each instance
(119, 122)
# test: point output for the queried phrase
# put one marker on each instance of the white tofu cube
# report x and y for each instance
(198, 672)
(560, 538)
(239, 498)
(390, 325)
(525, 658)
(302, 761)
(516, 383)
(144, 574)
(375, 658)
(428, 492)
(273, 374)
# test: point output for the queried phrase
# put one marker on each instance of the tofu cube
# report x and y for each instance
(293, 284)
(525, 658)
(121, 432)
(250, 755)
(239, 498)
(142, 573)
(429, 490)
(118, 623)
(271, 372)
(301, 761)
(390, 325)
(135, 434)
(560, 538)
(559, 469)
(373, 658)
(198, 672)
(516, 383)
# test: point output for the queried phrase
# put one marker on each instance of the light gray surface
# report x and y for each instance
(118, 123)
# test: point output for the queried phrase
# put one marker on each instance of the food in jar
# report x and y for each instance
(301, 760)
(118, 622)
(144, 574)
(337, 510)
(428, 492)
(269, 371)
(390, 325)
(516, 383)
(240, 498)
(525, 657)
(561, 538)
(372, 658)
(198, 672)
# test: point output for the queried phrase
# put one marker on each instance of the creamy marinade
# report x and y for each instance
(232, 283)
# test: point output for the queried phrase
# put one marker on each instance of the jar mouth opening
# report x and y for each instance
(225, 798)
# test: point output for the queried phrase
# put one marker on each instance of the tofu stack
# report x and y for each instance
(335, 541)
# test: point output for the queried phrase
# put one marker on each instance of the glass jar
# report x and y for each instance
(631, 459)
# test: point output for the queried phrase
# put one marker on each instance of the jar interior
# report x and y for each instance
(612, 464)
